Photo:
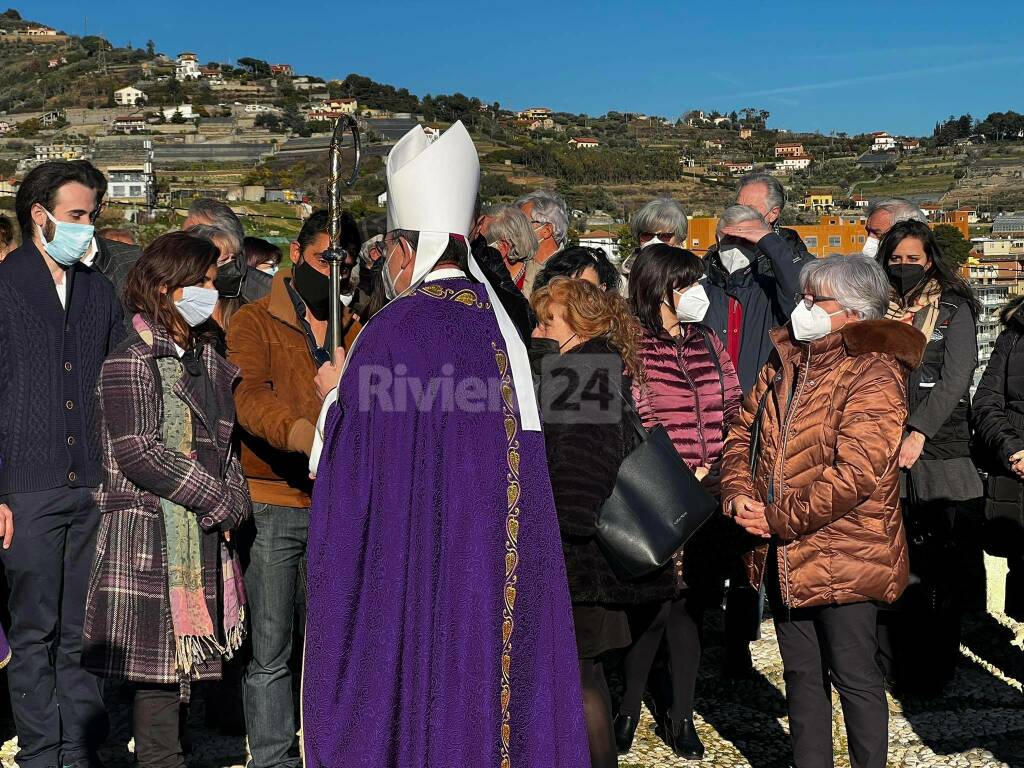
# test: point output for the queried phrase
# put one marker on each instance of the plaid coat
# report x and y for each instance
(128, 632)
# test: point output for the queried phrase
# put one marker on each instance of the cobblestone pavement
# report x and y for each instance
(977, 723)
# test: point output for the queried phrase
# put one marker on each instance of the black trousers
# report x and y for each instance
(155, 725)
(919, 636)
(58, 706)
(833, 646)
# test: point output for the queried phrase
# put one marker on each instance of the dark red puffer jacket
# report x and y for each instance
(686, 392)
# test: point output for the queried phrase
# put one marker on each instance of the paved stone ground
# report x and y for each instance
(977, 723)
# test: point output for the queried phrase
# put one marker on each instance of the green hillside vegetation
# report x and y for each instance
(639, 156)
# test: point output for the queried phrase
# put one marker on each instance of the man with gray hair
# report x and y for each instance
(235, 277)
(766, 195)
(757, 272)
(883, 215)
(508, 231)
(549, 217)
(760, 276)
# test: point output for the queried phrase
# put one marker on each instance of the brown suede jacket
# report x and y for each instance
(276, 400)
(828, 469)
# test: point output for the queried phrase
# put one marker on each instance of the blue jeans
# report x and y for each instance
(275, 586)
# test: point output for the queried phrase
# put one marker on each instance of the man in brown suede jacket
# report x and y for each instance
(278, 343)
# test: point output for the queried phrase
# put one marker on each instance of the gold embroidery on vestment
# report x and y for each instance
(511, 551)
(465, 296)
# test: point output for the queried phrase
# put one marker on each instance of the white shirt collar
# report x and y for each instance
(443, 274)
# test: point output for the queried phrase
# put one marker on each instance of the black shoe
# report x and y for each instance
(684, 741)
(738, 665)
(625, 728)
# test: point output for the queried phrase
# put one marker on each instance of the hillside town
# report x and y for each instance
(232, 158)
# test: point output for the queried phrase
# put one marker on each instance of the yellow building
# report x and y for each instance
(831, 235)
(819, 200)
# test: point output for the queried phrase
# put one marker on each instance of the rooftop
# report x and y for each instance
(1007, 222)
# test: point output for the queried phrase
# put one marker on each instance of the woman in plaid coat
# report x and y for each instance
(165, 600)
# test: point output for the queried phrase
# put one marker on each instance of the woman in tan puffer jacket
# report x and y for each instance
(820, 485)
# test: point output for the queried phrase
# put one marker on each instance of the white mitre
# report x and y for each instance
(432, 189)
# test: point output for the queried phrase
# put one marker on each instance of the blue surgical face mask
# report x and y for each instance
(70, 241)
(196, 304)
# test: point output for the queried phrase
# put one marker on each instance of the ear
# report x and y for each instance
(163, 290)
(295, 252)
(408, 252)
(38, 214)
(547, 231)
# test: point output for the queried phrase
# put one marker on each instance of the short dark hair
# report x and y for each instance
(572, 261)
(176, 260)
(259, 251)
(318, 224)
(44, 181)
(6, 230)
(941, 271)
(663, 269)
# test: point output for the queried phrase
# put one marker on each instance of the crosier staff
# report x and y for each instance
(335, 254)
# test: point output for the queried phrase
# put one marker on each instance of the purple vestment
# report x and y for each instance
(439, 631)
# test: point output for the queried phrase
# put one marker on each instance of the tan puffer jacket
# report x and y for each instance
(828, 469)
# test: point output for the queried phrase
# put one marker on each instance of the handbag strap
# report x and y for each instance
(629, 412)
(755, 431)
(704, 332)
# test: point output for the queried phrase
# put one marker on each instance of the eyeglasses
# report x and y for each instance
(665, 237)
(810, 299)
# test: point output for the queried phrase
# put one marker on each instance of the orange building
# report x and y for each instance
(832, 234)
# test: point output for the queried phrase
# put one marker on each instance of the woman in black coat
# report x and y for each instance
(940, 477)
(999, 437)
(590, 336)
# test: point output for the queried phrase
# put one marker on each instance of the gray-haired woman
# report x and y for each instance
(662, 220)
(821, 491)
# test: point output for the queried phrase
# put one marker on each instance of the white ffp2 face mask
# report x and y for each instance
(692, 304)
(733, 259)
(811, 324)
(870, 248)
(654, 241)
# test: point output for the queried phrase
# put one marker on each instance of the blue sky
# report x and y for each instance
(865, 66)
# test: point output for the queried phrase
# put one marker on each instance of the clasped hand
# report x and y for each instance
(749, 514)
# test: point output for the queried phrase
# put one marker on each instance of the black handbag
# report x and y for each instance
(657, 504)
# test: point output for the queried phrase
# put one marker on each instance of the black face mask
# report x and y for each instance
(538, 351)
(314, 290)
(229, 278)
(905, 277)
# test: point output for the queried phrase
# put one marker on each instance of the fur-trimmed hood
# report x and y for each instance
(1009, 315)
(901, 340)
